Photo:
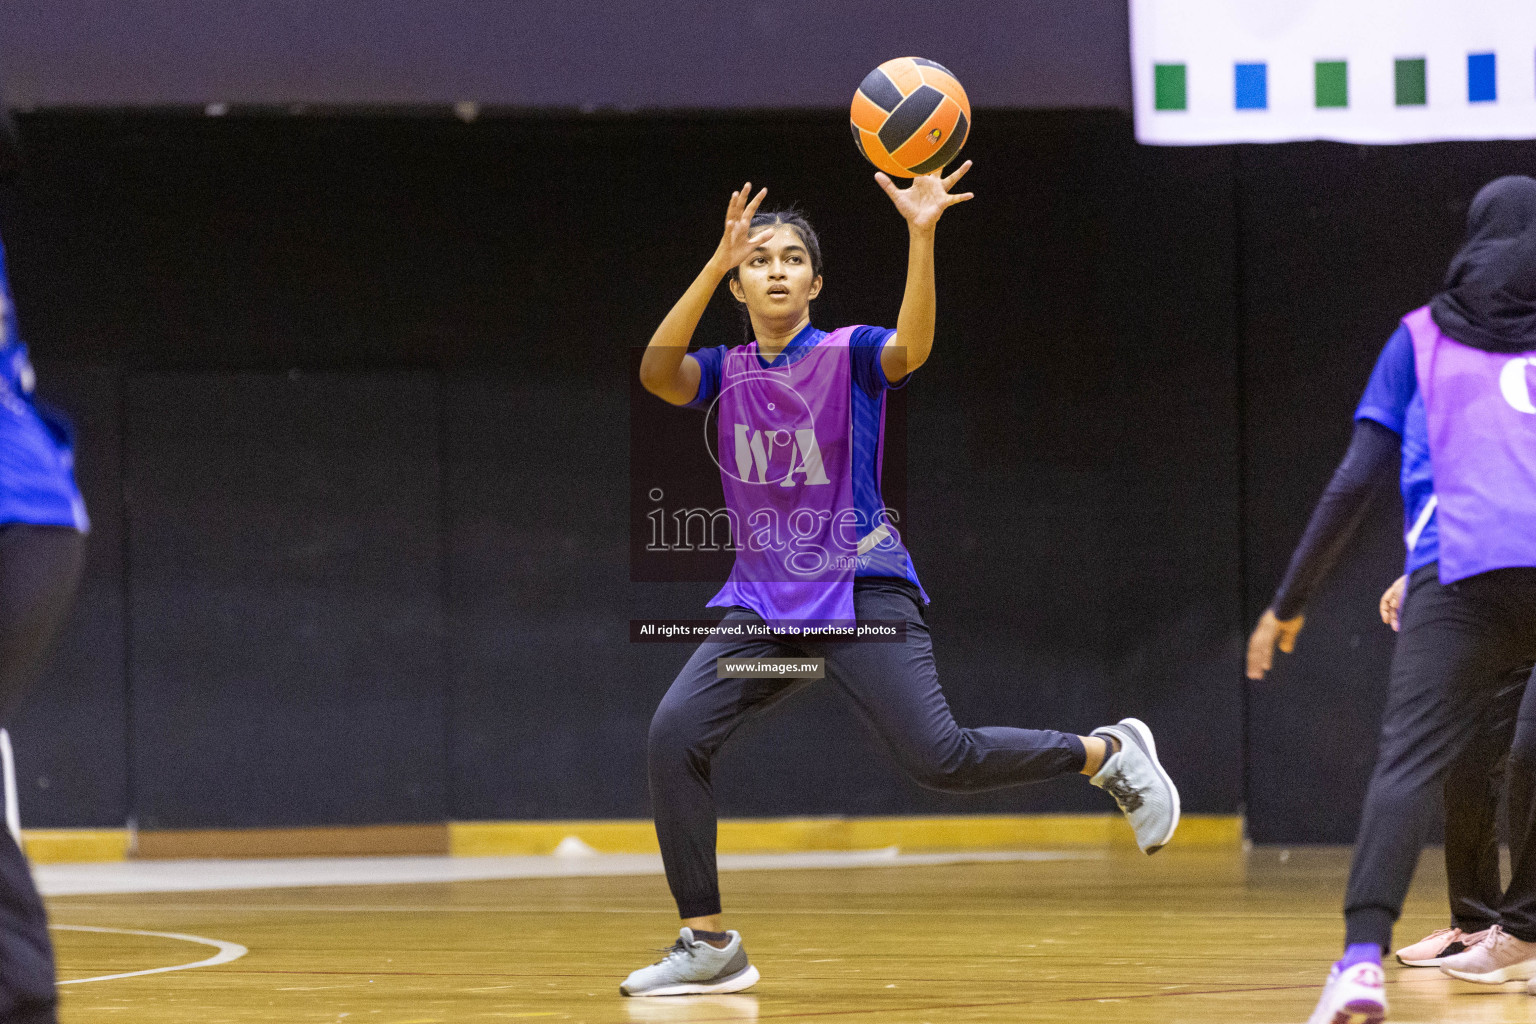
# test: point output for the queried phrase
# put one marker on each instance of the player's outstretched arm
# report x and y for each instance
(667, 370)
(921, 205)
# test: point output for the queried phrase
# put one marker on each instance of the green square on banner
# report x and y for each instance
(1168, 88)
(1332, 83)
(1411, 78)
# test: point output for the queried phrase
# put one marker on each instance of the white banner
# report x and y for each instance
(1371, 71)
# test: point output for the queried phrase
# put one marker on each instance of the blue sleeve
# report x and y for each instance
(710, 360)
(1393, 384)
(864, 347)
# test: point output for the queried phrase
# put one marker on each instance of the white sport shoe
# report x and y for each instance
(1433, 949)
(1498, 958)
(1133, 776)
(1354, 995)
(692, 967)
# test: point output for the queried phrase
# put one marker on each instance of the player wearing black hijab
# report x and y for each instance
(1450, 402)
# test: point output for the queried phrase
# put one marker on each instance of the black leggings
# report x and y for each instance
(39, 570)
(1458, 647)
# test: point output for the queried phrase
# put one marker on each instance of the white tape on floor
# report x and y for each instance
(214, 875)
(227, 951)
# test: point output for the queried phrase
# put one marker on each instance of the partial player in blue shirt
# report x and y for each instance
(42, 549)
(37, 458)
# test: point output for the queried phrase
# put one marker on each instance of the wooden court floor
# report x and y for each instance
(1187, 936)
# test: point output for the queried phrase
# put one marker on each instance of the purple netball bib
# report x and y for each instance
(1482, 447)
(786, 465)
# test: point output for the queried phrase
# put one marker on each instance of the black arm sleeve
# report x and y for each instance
(1372, 459)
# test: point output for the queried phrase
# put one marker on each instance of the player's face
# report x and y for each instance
(776, 281)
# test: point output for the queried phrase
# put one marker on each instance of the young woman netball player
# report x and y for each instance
(800, 418)
(42, 526)
(1453, 392)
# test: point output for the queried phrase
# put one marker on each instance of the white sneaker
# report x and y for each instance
(692, 967)
(1354, 995)
(1133, 776)
(1500, 957)
(1433, 949)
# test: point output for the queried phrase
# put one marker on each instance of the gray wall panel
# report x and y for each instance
(286, 599)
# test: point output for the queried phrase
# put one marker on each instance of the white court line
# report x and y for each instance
(215, 875)
(227, 951)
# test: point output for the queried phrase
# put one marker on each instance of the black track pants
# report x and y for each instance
(39, 570)
(1458, 646)
(893, 687)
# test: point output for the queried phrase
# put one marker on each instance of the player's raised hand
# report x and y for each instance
(1269, 633)
(925, 200)
(738, 241)
(1392, 603)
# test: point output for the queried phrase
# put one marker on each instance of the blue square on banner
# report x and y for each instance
(1252, 86)
(1482, 81)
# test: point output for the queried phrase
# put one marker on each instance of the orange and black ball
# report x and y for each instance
(910, 116)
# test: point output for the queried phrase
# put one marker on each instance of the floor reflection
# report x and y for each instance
(692, 1008)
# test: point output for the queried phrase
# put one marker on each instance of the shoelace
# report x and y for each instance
(1126, 795)
(678, 948)
(1495, 938)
